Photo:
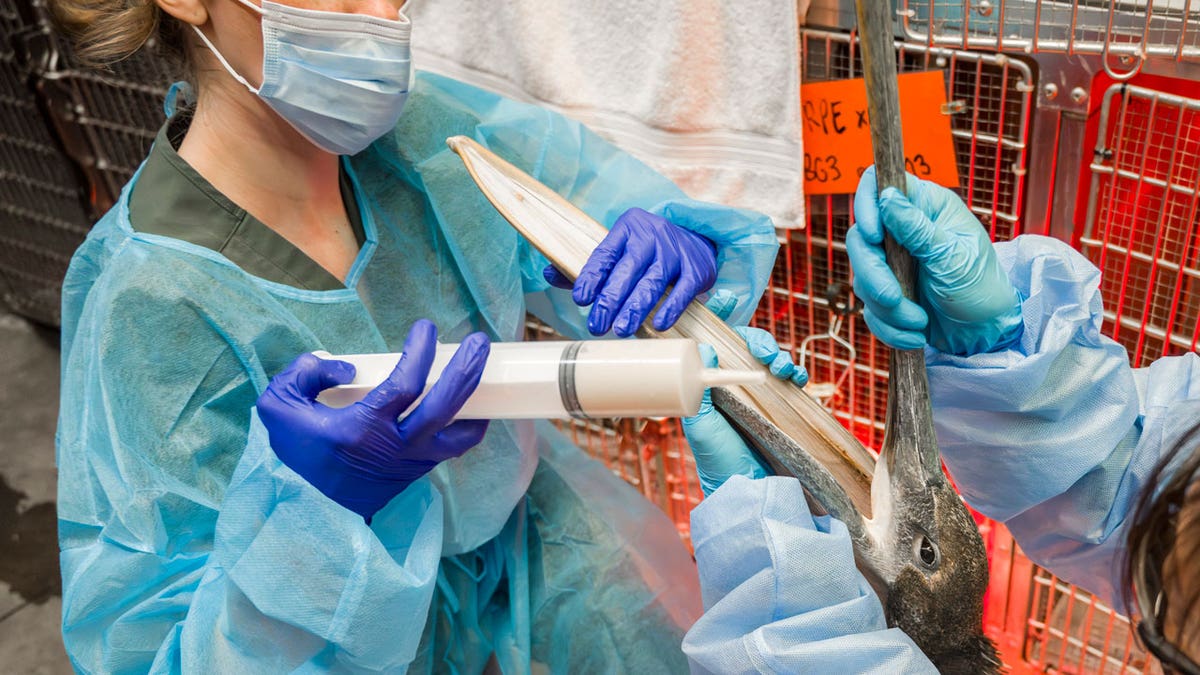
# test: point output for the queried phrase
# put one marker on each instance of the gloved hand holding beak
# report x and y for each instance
(629, 271)
(967, 305)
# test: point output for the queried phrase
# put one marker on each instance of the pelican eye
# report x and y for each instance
(927, 552)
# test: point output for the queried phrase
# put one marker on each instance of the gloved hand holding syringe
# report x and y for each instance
(560, 380)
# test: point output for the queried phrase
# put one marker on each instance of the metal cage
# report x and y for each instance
(1124, 32)
(42, 201)
(1044, 625)
(1140, 228)
(107, 118)
(70, 138)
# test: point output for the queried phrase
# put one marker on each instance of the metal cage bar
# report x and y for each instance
(115, 112)
(1068, 630)
(70, 138)
(1044, 625)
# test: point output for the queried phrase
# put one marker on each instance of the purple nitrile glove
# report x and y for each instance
(629, 271)
(362, 456)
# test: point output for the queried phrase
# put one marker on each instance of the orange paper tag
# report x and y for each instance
(837, 132)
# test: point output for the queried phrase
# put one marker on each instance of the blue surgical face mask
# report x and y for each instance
(340, 79)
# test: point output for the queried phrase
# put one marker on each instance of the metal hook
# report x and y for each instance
(1128, 75)
(832, 334)
(840, 309)
(1141, 55)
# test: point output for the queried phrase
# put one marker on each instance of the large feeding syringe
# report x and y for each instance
(561, 380)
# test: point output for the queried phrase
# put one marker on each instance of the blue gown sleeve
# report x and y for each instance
(781, 592)
(1055, 436)
(185, 544)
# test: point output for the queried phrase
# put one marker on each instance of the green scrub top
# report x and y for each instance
(172, 199)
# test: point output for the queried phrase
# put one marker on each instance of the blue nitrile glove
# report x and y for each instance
(720, 451)
(361, 456)
(629, 271)
(765, 350)
(967, 303)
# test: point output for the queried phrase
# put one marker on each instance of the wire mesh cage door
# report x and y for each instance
(107, 118)
(1069, 630)
(1042, 624)
(1140, 227)
(1140, 230)
(70, 138)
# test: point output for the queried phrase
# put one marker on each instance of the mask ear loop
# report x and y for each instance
(255, 8)
(225, 64)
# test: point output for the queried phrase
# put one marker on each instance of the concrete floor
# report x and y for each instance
(30, 586)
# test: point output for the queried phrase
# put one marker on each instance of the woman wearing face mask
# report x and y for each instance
(213, 517)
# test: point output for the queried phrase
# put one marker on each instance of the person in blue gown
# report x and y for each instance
(212, 516)
(1044, 426)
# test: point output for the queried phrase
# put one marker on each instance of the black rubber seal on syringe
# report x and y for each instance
(566, 381)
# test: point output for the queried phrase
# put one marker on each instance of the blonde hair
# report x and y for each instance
(107, 31)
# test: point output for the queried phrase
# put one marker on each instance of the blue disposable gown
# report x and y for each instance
(1054, 436)
(187, 545)
(781, 592)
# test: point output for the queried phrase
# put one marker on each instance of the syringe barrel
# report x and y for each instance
(636, 378)
(559, 380)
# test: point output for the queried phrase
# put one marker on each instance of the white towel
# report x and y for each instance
(707, 92)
